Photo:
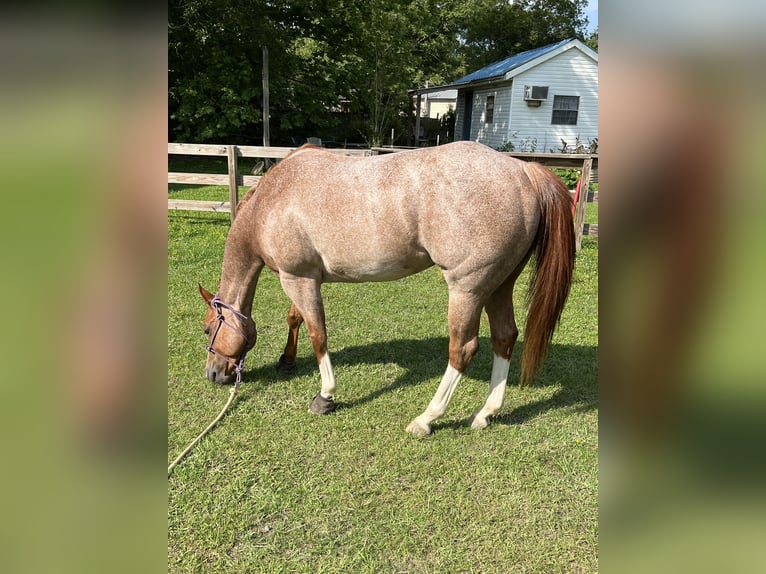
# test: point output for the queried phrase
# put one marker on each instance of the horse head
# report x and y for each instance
(231, 334)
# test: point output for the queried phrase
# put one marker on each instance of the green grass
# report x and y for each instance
(202, 192)
(196, 164)
(275, 489)
(591, 212)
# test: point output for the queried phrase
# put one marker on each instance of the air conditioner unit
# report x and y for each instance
(534, 95)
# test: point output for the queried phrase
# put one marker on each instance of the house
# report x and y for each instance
(435, 104)
(432, 107)
(542, 100)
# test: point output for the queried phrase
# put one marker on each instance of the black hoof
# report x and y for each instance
(285, 368)
(321, 405)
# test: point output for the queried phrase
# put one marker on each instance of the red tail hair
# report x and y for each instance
(554, 265)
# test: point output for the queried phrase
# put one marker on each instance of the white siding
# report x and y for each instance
(528, 128)
(495, 133)
(568, 74)
(459, 116)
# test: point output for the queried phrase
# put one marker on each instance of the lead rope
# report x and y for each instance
(193, 443)
(233, 393)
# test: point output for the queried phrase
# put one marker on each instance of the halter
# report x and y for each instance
(218, 305)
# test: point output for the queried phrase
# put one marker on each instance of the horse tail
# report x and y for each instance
(551, 277)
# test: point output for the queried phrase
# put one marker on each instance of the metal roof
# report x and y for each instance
(501, 68)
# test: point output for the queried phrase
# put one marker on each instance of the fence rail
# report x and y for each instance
(210, 179)
(231, 179)
(587, 163)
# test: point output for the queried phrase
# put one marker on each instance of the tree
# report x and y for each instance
(592, 40)
(367, 53)
(374, 52)
(492, 30)
(213, 68)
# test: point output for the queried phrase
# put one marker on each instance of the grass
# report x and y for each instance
(275, 489)
(197, 164)
(591, 212)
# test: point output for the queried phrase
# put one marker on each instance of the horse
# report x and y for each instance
(479, 215)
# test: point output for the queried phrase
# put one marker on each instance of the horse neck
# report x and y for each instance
(239, 275)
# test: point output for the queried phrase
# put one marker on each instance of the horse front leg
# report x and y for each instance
(286, 364)
(324, 401)
(307, 301)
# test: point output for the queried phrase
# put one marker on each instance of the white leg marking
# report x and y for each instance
(421, 425)
(496, 393)
(328, 377)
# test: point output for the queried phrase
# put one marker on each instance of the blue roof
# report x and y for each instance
(502, 67)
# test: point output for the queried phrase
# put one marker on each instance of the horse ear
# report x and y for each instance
(206, 295)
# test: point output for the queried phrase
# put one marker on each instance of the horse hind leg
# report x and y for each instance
(464, 316)
(286, 364)
(504, 332)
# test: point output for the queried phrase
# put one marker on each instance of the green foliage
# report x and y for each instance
(592, 40)
(570, 177)
(338, 55)
(494, 30)
(526, 145)
(589, 147)
(506, 146)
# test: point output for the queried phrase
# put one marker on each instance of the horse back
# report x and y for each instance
(461, 206)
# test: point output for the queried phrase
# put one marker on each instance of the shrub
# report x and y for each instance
(568, 176)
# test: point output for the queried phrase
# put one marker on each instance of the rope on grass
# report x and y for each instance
(193, 443)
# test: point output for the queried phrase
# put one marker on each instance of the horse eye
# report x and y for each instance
(207, 330)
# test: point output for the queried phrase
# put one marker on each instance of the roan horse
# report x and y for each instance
(321, 217)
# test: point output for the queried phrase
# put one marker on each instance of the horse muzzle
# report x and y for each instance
(220, 372)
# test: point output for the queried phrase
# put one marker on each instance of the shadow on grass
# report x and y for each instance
(221, 219)
(572, 369)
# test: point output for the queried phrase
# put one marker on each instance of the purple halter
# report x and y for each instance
(218, 305)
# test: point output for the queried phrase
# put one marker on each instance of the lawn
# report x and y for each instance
(275, 489)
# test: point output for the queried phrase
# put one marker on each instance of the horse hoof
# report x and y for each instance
(418, 429)
(285, 368)
(321, 405)
(479, 423)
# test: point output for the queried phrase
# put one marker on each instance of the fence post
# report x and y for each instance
(417, 121)
(265, 81)
(579, 218)
(231, 154)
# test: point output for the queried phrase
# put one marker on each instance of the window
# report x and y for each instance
(565, 110)
(489, 112)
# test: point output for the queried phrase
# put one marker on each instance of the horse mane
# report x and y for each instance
(250, 192)
(303, 148)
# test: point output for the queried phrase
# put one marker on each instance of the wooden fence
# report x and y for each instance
(231, 179)
(587, 163)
